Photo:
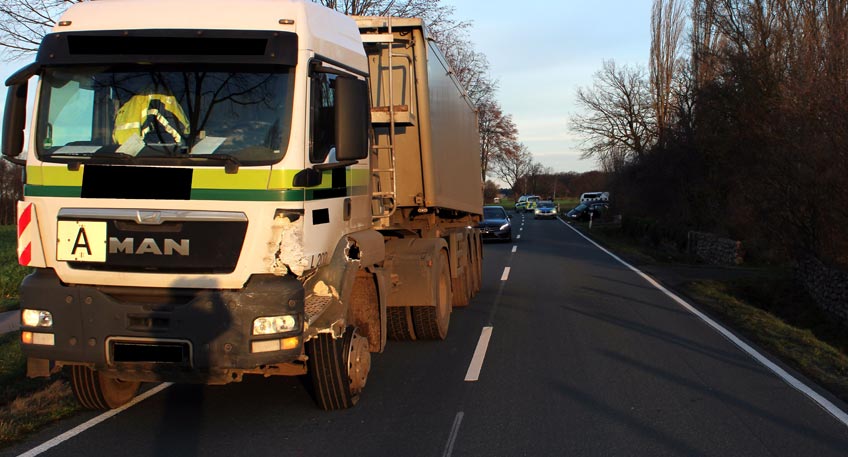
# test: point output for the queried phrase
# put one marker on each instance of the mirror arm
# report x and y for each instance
(16, 161)
(333, 165)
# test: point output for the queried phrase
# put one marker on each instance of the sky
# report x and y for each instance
(540, 52)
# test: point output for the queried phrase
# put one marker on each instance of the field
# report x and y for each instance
(26, 404)
(11, 273)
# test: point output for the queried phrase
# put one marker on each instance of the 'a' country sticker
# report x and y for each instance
(81, 241)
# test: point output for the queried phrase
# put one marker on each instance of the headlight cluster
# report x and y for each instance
(36, 318)
(40, 319)
(274, 324)
(504, 227)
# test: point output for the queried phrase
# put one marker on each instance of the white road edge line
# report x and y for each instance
(94, 421)
(505, 274)
(453, 434)
(824, 403)
(473, 373)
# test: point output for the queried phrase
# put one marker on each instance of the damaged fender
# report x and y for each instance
(328, 291)
(285, 248)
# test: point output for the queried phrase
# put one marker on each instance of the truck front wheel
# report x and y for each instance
(95, 391)
(339, 368)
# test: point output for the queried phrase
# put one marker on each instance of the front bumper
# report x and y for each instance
(162, 334)
(495, 233)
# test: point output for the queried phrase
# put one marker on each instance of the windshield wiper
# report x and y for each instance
(231, 165)
(76, 159)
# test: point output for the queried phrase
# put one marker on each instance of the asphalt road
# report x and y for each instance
(585, 358)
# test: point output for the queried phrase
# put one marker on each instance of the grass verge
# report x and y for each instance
(27, 405)
(11, 273)
(803, 338)
(772, 311)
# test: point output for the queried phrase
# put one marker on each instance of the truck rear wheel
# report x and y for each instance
(399, 323)
(339, 368)
(95, 391)
(431, 322)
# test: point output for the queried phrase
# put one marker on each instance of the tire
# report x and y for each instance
(399, 323)
(95, 391)
(339, 368)
(431, 322)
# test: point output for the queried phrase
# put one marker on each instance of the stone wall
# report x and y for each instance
(714, 249)
(828, 286)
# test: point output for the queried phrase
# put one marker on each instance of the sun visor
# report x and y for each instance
(169, 46)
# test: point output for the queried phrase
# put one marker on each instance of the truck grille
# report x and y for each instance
(200, 243)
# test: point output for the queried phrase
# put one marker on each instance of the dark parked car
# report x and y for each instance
(495, 224)
(584, 211)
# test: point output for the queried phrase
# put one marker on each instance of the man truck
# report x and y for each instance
(210, 195)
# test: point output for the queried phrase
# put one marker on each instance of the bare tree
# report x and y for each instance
(513, 165)
(667, 25)
(496, 131)
(24, 22)
(490, 191)
(10, 191)
(619, 124)
(439, 17)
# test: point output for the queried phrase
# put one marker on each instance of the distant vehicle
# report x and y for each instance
(532, 202)
(585, 211)
(545, 209)
(495, 224)
(594, 197)
(527, 202)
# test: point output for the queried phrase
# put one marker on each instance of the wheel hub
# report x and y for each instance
(359, 362)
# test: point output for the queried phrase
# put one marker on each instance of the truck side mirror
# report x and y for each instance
(14, 121)
(353, 116)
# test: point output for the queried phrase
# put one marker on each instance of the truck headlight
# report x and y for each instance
(36, 318)
(273, 324)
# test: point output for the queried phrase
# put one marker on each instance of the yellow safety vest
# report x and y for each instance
(133, 115)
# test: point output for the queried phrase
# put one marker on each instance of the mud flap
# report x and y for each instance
(410, 265)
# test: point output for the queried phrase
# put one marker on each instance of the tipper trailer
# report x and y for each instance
(209, 195)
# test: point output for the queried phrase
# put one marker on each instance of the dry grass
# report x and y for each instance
(772, 311)
(29, 413)
(27, 405)
(800, 348)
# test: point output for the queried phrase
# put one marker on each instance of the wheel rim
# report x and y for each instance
(359, 362)
(116, 392)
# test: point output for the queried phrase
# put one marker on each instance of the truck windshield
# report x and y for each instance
(150, 112)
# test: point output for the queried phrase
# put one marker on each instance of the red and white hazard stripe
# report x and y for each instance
(25, 229)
